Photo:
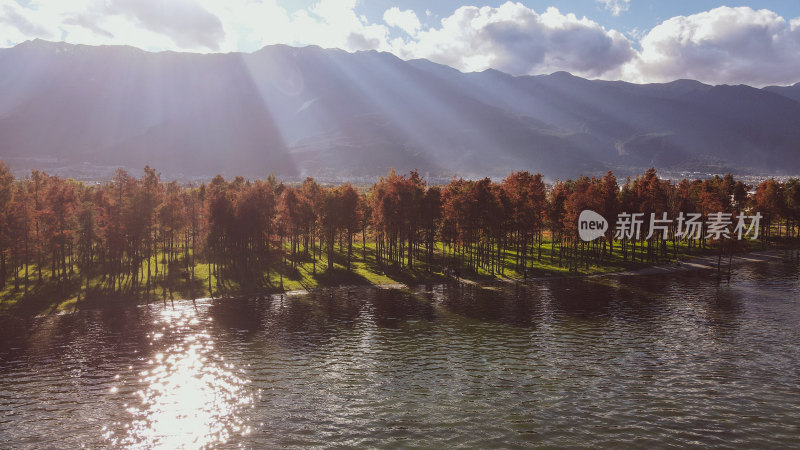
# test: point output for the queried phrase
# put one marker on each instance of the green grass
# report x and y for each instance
(49, 296)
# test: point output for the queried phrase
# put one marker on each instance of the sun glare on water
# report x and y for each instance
(190, 397)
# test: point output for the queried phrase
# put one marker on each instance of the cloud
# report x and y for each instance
(616, 7)
(13, 16)
(18, 24)
(515, 39)
(327, 23)
(337, 25)
(405, 20)
(190, 25)
(186, 22)
(723, 45)
(149, 24)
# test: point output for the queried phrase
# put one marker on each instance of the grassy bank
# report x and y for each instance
(171, 281)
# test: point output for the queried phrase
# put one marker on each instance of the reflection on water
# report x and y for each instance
(190, 396)
(604, 361)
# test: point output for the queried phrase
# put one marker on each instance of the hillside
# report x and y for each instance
(309, 111)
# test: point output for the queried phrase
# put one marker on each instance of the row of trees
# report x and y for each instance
(131, 233)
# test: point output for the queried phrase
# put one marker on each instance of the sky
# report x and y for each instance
(732, 42)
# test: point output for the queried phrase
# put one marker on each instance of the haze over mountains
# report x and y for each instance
(308, 111)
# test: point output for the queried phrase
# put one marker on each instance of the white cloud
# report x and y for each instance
(405, 20)
(14, 16)
(337, 25)
(327, 23)
(515, 39)
(192, 25)
(723, 45)
(616, 7)
(18, 24)
(512, 37)
(149, 24)
(251, 24)
(185, 22)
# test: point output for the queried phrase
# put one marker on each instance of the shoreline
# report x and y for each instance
(708, 262)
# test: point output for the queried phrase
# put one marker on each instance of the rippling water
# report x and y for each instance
(606, 361)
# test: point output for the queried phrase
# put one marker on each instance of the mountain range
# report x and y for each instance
(329, 113)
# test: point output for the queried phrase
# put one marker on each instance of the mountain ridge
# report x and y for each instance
(300, 111)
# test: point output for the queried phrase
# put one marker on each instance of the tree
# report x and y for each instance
(17, 227)
(61, 200)
(313, 195)
(609, 194)
(584, 195)
(349, 218)
(6, 188)
(292, 212)
(221, 217)
(652, 198)
(791, 190)
(527, 208)
(87, 237)
(329, 219)
(555, 217)
(430, 217)
(113, 232)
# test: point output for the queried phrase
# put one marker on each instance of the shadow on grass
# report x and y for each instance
(51, 296)
(338, 277)
(41, 298)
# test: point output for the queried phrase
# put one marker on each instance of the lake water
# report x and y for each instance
(641, 361)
